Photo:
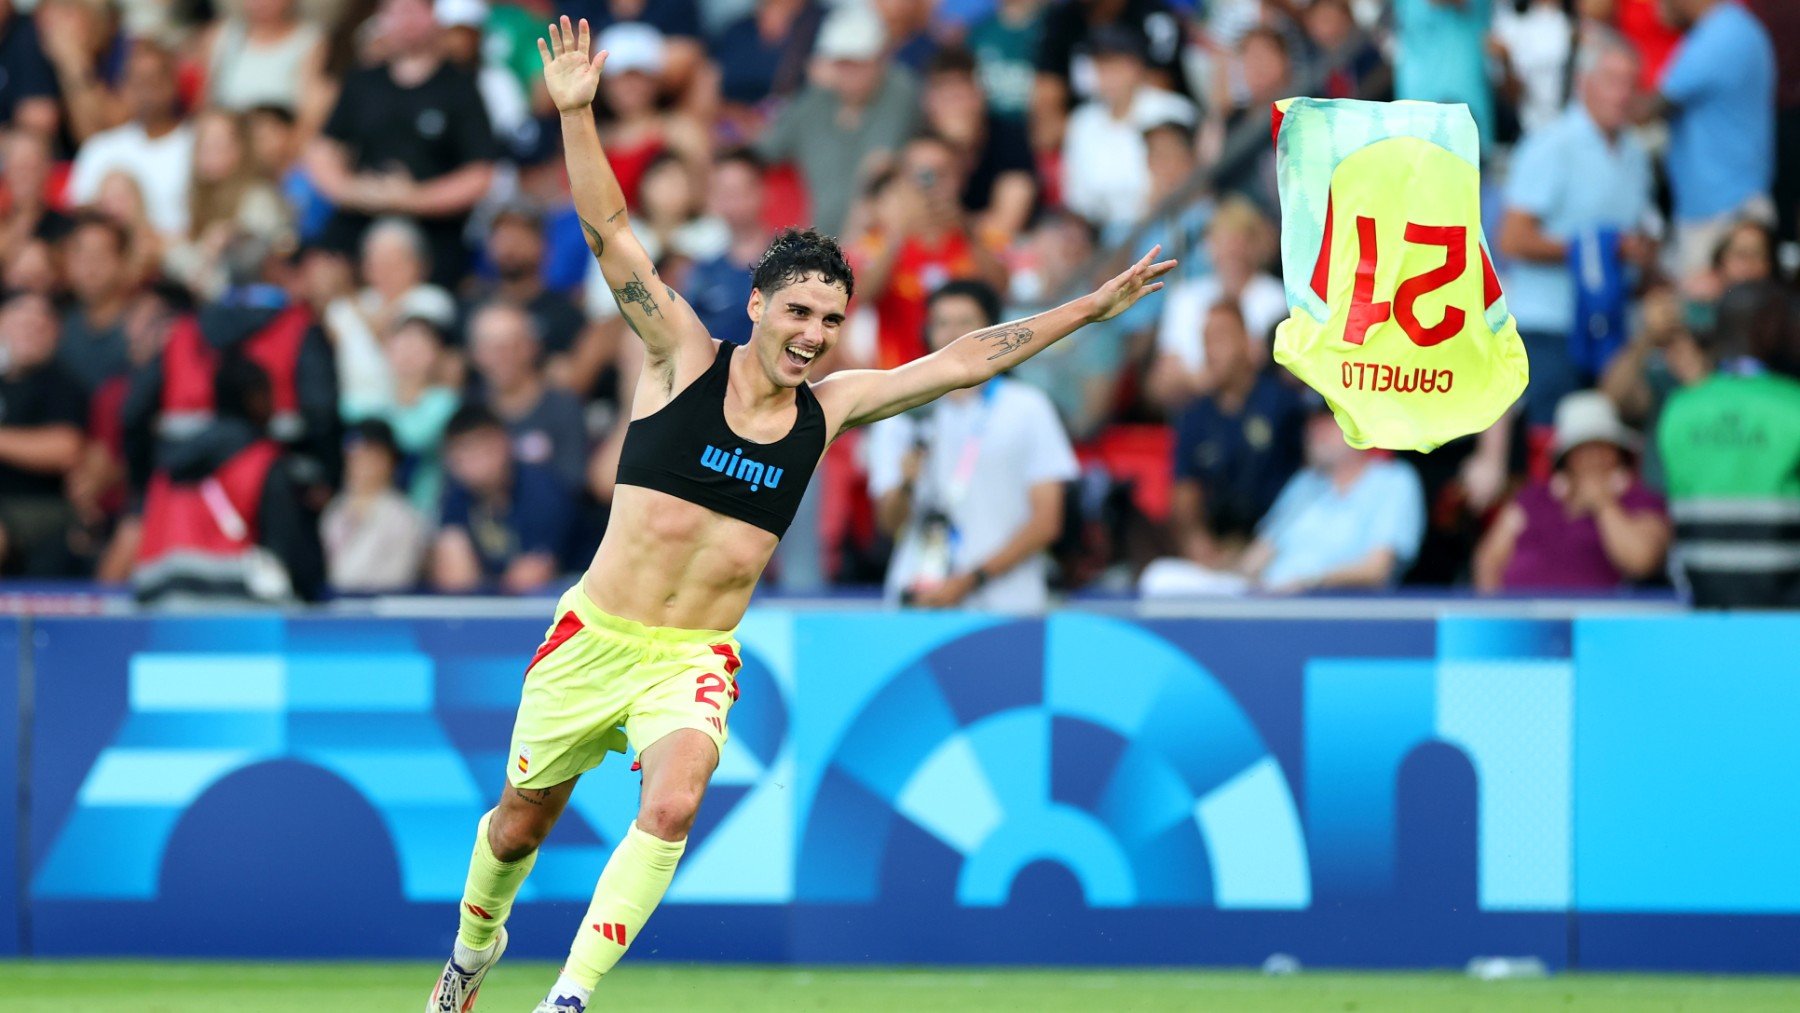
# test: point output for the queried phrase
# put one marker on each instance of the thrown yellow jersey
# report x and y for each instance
(1397, 317)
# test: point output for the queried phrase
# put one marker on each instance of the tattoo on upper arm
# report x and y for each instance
(635, 291)
(1006, 338)
(596, 242)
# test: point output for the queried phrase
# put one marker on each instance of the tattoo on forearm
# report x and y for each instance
(615, 216)
(635, 291)
(596, 242)
(533, 796)
(1005, 338)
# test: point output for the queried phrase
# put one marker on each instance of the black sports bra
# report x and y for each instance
(686, 450)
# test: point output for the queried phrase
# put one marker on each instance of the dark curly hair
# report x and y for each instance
(797, 253)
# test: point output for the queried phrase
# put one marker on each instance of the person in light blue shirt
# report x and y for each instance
(1349, 519)
(1718, 93)
(1581, 172)
(1443, 56)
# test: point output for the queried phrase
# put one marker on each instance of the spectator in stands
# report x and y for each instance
(1745, 253)
(504, 521)
(676, 21)
(1351, 519)
(1584, 175)
(515, 248)
(374, 540)
(1266, 69)
(972, 487)
(860, 111)
(1357, 69)
(229, 515)
(1782, 20)
(43, 412)
(30, 266)
(410, 137)
(421, 409)
(1731, 449)
(1594, 526)
(394, 269)
(92, 349)
(264, 54)
(1069, 52)
(1718, 94)
(84, 43)
(1081, 377)
(763, 56)
(506, 100)
(1536, 48)
(1240, 241)
(667, 216)
(1103, 171)
(918, 242)
(276, 146)
(28, 89)
(1442, 56)
(155, 148)
(1236, 446)
(25, 210)
(1005, 44)
(545, 422)
(1661, 358)
(999, 182)
(235, 209)
(719, 288)
(637, 131)
(907, 25)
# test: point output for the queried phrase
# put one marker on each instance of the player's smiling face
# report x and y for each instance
(796, 325)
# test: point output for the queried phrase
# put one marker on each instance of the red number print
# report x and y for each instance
(711, 683)
(1365, 312)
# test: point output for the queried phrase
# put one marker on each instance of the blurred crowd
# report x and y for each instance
(294, 302)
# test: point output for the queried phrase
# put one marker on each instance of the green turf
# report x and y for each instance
(197, 987)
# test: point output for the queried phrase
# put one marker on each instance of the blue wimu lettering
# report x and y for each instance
(714, 458)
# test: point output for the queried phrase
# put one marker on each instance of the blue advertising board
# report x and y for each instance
(953, 788)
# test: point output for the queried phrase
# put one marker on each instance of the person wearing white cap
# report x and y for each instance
(1594, 526)
(860, 104)
(722, 444)
(465, 23)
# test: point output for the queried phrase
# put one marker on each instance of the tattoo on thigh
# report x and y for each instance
(533, 796)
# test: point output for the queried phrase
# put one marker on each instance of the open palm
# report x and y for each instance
(1134, 283)
(569, 76)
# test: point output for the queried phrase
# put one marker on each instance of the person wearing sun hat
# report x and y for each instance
(1593, 526)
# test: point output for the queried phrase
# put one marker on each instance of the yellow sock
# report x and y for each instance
(630, 887)
(489, 891)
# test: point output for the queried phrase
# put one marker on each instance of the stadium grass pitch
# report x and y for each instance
(205, 987)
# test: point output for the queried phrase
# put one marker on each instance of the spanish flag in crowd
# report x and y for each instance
(1396, 315)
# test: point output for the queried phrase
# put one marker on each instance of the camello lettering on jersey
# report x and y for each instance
(1380, 376)
(736, 465)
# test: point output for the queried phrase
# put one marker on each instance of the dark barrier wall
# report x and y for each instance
(1607, 792)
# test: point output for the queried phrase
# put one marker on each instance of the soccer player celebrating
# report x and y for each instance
(721, 445)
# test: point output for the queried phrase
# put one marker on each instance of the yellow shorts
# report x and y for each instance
(598, 683)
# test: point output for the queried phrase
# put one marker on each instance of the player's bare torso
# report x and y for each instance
(667, 562)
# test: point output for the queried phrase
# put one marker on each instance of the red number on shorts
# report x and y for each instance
(1365, 312)
(710, 684)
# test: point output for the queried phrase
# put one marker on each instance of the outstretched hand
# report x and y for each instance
(569, 76)
(1134, 283)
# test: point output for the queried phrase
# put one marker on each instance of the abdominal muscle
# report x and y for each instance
(667, 562)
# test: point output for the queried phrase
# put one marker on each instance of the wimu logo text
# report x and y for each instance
(736, 465)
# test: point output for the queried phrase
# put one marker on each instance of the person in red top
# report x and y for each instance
(918, 242)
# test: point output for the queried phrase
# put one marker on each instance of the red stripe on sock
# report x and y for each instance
(566, 627)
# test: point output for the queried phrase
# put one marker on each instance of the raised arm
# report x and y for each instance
(654, 312)
(859, 396)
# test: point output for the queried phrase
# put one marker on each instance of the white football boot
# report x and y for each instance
(457, 986)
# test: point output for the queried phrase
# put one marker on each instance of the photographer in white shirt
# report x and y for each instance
(971, 487)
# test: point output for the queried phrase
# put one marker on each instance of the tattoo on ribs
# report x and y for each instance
(596, 242)
(635, 291)
(1006, 338)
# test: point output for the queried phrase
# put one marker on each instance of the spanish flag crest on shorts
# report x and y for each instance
(1396, 315)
